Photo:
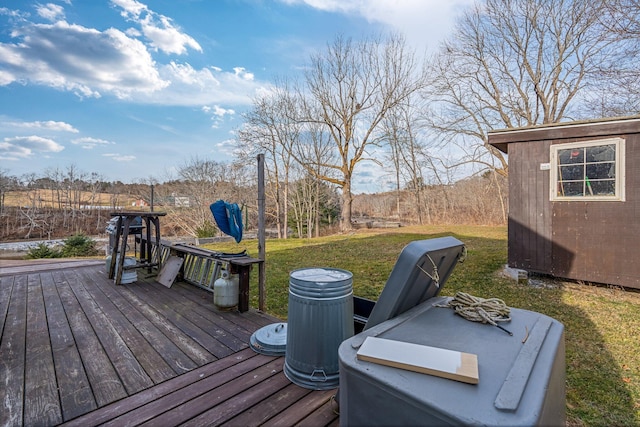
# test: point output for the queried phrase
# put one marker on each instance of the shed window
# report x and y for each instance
(590, 170)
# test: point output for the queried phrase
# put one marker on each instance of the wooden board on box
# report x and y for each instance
(440, 362)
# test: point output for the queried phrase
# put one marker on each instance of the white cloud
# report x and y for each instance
(93, 63)
(50, 11)
(45, 125)
(166, 37)
(17, 147)
(120, 157)
(159, 29)
(13, 13)
(344, 6)
(79, 59)
(131, 8)
(34, 142)
(218, 114)
(221, 112)
(10, 151)
(204, 86)
(228, 146)
(243, 74)
(423, 22)
(90, 143)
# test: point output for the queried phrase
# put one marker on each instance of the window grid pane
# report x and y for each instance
(586, 171)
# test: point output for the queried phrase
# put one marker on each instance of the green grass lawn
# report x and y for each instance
(602, 323)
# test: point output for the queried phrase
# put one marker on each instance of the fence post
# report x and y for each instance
(261, 234)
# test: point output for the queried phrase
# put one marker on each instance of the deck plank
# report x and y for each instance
(147, 356)
(122, 407)
(248, 321)
(202, 316)
(160, 406)
(12, 353)
(133, 376)
(299, 410)
(231, 334)
(165, 306)
(105, 382)
(205, 398)
(6, 286)
(76, 397)
(268, 408)
(252, 320)
(40, 385)
(184, 342)
(80, 338)
(323, 416)
(232, 407)
(173, 356)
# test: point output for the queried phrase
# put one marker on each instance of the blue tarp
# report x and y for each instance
(228, 217)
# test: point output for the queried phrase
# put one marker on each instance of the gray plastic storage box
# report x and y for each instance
(521, 378)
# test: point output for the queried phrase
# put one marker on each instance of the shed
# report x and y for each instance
(574, 199)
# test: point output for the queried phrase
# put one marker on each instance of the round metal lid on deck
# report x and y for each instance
(270, 340)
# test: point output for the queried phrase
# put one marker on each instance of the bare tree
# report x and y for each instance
(301, 202)
(31, 217)
(94, 187)
(316, 147)
(310, 203)
(617, 92)
(270, 128)
(350, 88)
(55, 177)
(188, 201)
(408, 155)
(7, 183)
(66, 192)
(515, 63)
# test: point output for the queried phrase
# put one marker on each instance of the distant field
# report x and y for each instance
(49, 199)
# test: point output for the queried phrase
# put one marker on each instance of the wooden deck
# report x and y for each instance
(77, 350)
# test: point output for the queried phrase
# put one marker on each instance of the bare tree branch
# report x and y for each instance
(515, 63)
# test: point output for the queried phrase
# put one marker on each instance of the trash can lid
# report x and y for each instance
(322, 275)
(270, 340)
(321, 283)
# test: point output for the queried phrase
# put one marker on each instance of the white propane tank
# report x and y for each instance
(226, 291)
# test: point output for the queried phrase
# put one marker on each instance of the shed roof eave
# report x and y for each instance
(500, 138)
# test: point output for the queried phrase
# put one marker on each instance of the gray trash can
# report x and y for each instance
(320, 318)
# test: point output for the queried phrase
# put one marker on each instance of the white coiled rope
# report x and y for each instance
(476, 309)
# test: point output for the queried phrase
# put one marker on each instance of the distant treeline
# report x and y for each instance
(46, 208)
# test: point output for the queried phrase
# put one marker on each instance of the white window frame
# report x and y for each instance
(620, 170)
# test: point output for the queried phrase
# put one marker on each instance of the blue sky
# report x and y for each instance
(133, 89)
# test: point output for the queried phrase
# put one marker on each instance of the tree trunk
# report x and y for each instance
(347, 202)
(285, 207)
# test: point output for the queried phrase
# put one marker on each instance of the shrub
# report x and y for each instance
(43, 251)
(79, 245)
(207, 229)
